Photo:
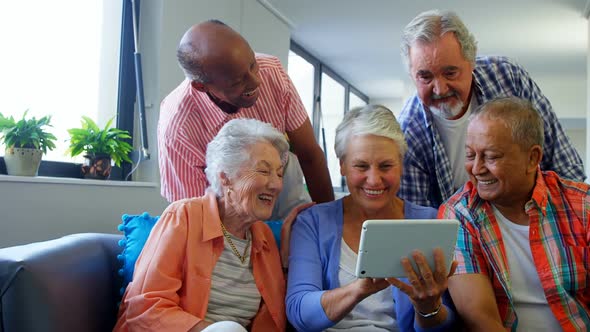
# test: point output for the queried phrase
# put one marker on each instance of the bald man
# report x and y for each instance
(225, 80)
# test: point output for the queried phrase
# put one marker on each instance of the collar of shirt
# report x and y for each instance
(213, 111)
(212, 226)
(540, 196)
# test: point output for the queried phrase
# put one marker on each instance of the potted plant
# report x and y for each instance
(100, 147)
(26, 142)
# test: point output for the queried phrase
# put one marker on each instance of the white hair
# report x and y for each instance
(228, 151)
(375, 120)
(430, 25)
(518, 115)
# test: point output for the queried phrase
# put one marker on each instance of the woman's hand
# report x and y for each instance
(338, 302)
(426, 288)
(369, 286)
(286, 231)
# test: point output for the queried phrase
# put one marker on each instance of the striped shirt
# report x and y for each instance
(428, 178)
(233, 295)
(189, 120)
(559, 212)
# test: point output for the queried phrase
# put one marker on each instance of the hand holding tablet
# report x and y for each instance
(383, 243)
(419, 250)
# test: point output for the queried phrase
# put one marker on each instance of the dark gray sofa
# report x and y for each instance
(68, 284)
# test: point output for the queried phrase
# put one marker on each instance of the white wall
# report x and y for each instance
(567, 94)
(46, 209)
(394, 104)
(38, 209)
(265, 32)
(579, 141)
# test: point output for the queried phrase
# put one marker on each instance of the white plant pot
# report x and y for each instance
(22, 161)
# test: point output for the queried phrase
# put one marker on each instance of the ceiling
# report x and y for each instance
(360, 39)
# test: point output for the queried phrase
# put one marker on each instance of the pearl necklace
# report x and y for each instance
(233, 247)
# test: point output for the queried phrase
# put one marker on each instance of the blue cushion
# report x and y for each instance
(136, 230)
(275, 227)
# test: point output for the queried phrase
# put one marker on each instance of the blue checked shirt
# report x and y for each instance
(427, 177)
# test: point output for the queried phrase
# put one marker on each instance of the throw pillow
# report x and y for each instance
(136, 230)
(275, 227)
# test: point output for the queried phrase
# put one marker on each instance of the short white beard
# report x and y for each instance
(447, 111)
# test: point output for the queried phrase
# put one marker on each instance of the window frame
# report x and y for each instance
(317, 79)
(127, 85)
(319, 69)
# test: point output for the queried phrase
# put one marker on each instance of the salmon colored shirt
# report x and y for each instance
(172, 279)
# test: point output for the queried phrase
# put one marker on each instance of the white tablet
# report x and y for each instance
(383, 243)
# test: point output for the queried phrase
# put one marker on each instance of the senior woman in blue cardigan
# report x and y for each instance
(323, 292)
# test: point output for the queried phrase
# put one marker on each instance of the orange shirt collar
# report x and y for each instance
(212, 226)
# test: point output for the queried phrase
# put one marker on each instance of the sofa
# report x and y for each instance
(68, 284)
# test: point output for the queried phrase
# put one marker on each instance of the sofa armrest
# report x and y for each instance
(67, 284)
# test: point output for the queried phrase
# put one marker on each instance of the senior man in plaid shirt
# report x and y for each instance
(523, 246)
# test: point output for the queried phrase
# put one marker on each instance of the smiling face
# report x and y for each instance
(236, 79)
(230, 66)
(442, 75)
(257, 184)
(372, 166)
(502, 172)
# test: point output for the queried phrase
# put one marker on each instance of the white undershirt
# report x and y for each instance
(374, 313)
(528, 296)
(453, 134)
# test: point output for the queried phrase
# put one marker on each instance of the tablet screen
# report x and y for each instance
(384, 242)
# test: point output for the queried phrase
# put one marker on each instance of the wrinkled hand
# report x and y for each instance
(370, 286)
(426, 288)
(286, 231)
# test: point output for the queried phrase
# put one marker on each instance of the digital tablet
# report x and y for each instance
(383, 243)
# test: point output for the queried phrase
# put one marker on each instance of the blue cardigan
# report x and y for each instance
(313, 268)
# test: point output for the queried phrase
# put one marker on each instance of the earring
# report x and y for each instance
(229, 191)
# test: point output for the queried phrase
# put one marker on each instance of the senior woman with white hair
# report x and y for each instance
(323, 292)
(209, 264)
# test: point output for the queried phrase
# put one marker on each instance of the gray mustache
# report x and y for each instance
(450, 94)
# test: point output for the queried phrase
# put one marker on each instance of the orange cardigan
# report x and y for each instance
(172, 278)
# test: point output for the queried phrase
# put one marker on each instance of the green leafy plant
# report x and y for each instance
(27, 133)
(93, 141)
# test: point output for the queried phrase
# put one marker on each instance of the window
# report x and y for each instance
(355, 101)
(60, 64)
(332, 112)
(336, 97)
(302, 74)
(61, 58)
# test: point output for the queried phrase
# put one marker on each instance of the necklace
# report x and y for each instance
(242, 257)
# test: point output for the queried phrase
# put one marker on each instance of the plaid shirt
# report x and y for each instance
(559, 213)
(428, 179)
